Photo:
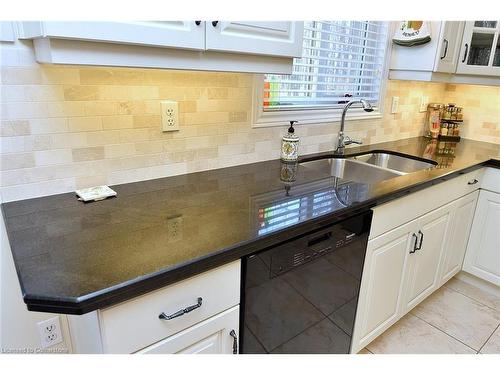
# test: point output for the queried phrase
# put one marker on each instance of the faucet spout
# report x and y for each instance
(344, 140)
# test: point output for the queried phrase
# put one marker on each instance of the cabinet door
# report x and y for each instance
(463, 214)
(211, 336)
(6, 31)
(423, 264)
(179, 34)
(381, 285)
(449, 46)
(483, 251)
(279, 38)
(480, 50)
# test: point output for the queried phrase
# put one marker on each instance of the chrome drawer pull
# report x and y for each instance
(473, 182)
(186, 310)
(235, 341)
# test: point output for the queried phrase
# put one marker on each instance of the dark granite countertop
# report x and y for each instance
(73, 257)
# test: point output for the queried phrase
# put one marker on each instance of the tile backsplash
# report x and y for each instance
(67, 127)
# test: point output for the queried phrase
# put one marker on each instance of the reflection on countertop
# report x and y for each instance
(74, 257)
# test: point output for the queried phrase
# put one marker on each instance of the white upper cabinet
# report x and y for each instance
(256, 47)
(448, 49)
(459, 52)
(480, 51)
(279, 38)
(176, 34)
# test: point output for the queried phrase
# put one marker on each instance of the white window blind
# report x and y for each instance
(339, 59)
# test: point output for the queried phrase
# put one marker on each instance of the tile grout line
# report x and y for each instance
(472, 298)
(489, 337)
(446, 333)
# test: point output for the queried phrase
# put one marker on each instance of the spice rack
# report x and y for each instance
(451, 119)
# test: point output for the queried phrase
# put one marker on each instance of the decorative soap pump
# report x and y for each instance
(290, 145)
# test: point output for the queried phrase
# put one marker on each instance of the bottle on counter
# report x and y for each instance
(290, 145)
(433, 118)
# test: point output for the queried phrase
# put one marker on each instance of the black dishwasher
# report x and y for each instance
(301, 296)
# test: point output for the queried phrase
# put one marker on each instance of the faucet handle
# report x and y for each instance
(348, 141)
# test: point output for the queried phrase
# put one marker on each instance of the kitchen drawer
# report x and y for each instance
(212, 336)
(403, 210)
(135, 324)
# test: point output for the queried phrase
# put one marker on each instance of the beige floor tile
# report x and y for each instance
(493, 344)
(364, 351)
(412, 335)
(459, 316)
(488, 299)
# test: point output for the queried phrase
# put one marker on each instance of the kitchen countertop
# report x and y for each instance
(73, 257)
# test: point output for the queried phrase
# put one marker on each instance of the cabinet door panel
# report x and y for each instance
(449, 46)
(424, 263)
(383, 274)
(460, 231)
(483, 252)
(177, 34)
(211, 336)
(480, 50)
(283, 38)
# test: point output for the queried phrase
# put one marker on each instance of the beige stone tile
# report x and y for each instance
(17, 161)
(489, 299)
(88, 153)
(187, 106)
(128, 92)
(66, 109)
(119, 150)
(60, 75)
(150, 147)
(90, 181)
(146, 121)
(412, 335)
(23, 110)
(101, 108)
(53, 157)
(104, 137)
(492, 346)
(15, 128)
(218, 93)
(20, 76)
(117, 122)
(84, 124)
(240, 116)
(459, 316)
(72, 93)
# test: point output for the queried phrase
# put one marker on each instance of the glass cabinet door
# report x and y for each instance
(480, 52)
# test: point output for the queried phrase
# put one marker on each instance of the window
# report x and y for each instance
(341, 61)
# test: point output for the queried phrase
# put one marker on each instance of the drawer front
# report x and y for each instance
(403, 210)
(135, 324)
(212, 336)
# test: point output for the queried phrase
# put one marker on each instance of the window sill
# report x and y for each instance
(282, 118)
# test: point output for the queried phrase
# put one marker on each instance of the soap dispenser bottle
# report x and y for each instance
(290, 145)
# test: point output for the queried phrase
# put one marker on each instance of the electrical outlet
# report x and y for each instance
(424, 101)
(50, 332)
(395, 104)
(174, 227)
(169, 115)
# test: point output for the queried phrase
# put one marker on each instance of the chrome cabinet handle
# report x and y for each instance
(415, 244)
(214, 23)
(445, 48)
(473, 182)
(235, 341)
(421, 240)
(181, 312)
(466, 50)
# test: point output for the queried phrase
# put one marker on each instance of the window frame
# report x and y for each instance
(281, 117)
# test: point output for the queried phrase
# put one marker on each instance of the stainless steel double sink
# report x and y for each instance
(371, 167)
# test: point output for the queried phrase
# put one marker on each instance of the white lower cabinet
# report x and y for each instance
(217, 335)
(404, 265)
(483, 251)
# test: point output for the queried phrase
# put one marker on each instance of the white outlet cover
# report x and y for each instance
(395, 104)
(50, 332)
(169, 115)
